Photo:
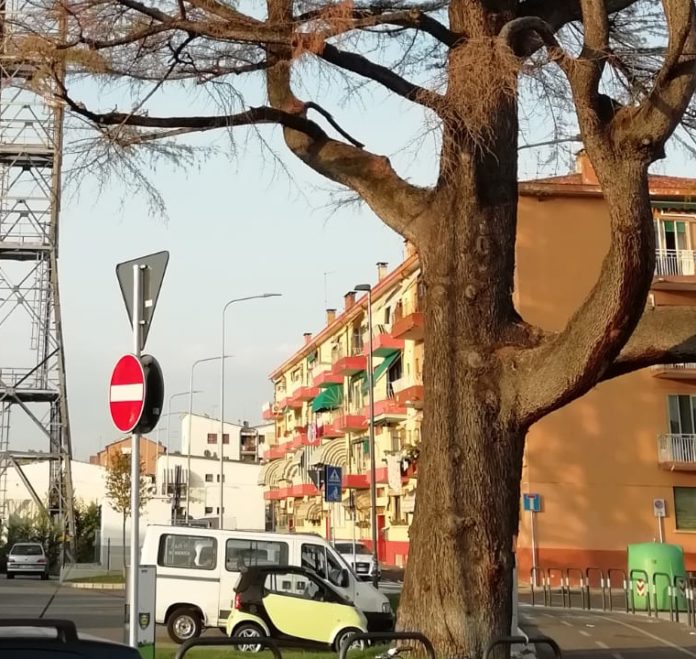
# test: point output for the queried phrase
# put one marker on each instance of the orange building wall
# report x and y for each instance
(149, 451)
(595, 461)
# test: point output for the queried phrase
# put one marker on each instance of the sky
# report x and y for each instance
(237, 224)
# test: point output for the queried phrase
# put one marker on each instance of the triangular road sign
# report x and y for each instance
(334, 476)
(153, 268)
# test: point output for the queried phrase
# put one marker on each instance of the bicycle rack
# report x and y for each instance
(509, 641)
(383, 636)
(602, 583)
(549, 578)
(681, 586)
(581, 586)
(533, 578)
(236, 641)
(669, 594)
(624, 584)
(633, 595)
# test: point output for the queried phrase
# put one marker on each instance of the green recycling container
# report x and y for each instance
(653, 570)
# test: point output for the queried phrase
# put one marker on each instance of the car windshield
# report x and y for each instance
(347, 548)
(27, 550)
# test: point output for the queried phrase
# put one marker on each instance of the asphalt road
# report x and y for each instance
(597, 635)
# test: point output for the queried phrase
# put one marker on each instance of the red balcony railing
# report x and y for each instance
(352, 422)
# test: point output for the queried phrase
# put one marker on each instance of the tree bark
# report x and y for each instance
(123, 548)
(459, 580)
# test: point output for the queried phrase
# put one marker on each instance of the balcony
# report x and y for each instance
(675, 269)
(329, 430)
(388, 409)
(684, 371)
(356, 481)
(274, 452)
(293, 403)
(349, 365)
(677, 452)
(306, 393)
(352, 423)
(408, 322)
(409, 391)
(271, 411)
(303, 490)
(383, 345)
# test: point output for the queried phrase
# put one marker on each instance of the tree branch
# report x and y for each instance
(400, 205)
(381, 74)
(664, 335)
(557, 14)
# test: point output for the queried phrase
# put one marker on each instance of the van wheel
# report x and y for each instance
(248, 630)
(10, 576)
(183, 624)
(344, 637)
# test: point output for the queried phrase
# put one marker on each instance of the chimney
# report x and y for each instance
(330, 316)
(349, 300)
(409, 249)
(381, 270)
(307, 338)
(584, 167)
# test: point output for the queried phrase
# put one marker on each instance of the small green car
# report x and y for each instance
(294, 607)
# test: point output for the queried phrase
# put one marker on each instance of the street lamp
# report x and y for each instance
(168, 414)
(190, 412)
(222, 393)
(373, 468)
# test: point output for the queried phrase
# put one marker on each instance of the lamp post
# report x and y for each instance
(168, 414)
(373, 467)
(190, 412)
(222, 394)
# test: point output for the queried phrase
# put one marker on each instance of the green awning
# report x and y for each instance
(330, 398)
(381, 369)
(312, 357)
(677, 205)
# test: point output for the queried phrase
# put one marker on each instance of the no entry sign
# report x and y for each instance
(127, 393)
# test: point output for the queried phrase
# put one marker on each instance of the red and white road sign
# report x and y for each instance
(127, 393)
(640, 587)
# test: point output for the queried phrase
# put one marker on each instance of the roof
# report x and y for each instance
(580, 184)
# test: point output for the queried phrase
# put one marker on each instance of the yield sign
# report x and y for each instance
(153, 267)
(127, 393)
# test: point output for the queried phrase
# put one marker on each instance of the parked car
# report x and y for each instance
(358, 556)
(27, 558)
(294, 607)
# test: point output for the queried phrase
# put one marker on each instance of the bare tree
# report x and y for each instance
(627, 70)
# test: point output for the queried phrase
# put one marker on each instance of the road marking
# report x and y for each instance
(566, 623)
(601, 644)
(617, 655)
(582, 632)
(664, 641)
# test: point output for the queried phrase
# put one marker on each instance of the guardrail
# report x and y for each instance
(594, 588)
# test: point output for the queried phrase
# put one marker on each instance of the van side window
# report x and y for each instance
(192, 552)
(241, 553)
(316, 558)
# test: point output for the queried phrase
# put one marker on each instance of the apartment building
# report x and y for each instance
(149, 452)
(601, 467)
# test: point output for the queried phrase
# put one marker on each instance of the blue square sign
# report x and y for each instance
(333, 481)
(532, 502)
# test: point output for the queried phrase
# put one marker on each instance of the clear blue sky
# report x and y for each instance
(236, 226)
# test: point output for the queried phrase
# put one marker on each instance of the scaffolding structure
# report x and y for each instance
(32, 366)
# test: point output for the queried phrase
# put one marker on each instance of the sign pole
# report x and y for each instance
(135, 473)
(532, 523)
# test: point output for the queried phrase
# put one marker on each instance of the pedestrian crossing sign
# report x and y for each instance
(333, 481)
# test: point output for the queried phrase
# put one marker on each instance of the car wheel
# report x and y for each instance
(248, 630)
(183, 624)
(44, 576)
(343, 637)
(10, 576)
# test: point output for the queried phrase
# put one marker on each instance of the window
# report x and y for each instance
(212, 438)
(673, 243)
(247, 553)
(396, 515)
(682, 412)
(208, 478)
(295, 585)
(208, 510)
(225, 438)
(217, 478)
(315, 557)
(191, 552)
(685, 508)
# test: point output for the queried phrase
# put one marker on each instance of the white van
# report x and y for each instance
(197, 570)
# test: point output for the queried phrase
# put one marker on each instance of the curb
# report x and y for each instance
(95, 586)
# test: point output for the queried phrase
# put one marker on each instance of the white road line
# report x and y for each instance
(617, 655)
(566, 623)
(582, 632)
(601, 644)
(664, 641)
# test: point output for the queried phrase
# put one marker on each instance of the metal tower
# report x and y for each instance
(32, 366)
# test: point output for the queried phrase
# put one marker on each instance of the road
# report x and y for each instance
(597, 635)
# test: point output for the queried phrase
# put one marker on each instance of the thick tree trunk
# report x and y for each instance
(459, 578)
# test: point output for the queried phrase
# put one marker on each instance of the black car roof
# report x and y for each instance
(254, 576)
